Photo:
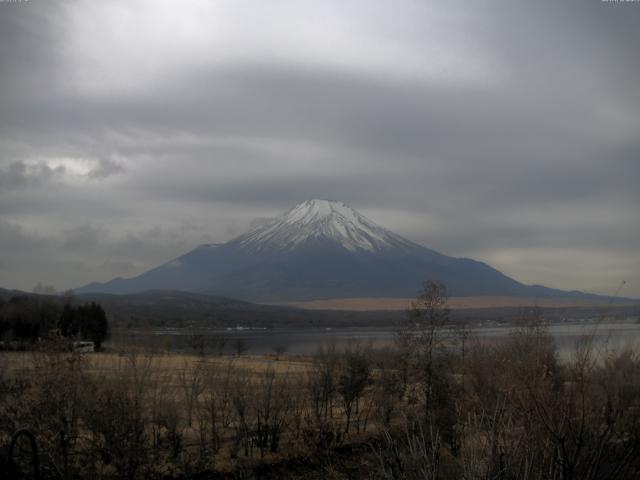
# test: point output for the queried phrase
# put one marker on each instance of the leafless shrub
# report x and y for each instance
(388, 389)
(190, 381)
(55, 400)
(241, 421)
(115, 420)
(216, 407)
(354, 376)
(322, 432)
(412, 454)
(272, 403)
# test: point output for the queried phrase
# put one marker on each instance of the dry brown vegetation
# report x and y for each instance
(439, 405)
(398, 304)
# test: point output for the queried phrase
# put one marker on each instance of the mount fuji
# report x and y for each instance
(321, 249)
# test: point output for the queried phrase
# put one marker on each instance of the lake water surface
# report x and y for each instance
(607, 336)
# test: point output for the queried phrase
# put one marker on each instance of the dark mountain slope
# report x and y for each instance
(317, 250)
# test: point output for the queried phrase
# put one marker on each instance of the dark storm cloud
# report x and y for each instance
(499, 130)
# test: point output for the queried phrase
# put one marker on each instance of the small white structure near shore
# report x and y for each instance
(84, 347)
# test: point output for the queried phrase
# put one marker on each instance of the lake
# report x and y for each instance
(607, 335)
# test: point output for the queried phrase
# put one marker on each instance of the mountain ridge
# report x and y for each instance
(321, 249)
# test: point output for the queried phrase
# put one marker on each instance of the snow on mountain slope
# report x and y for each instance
(320, 249)
(322, 220)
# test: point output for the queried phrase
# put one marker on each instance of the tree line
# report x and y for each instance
(27, 319)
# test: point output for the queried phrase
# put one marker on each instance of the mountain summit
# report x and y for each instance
(321, 249)
(322, 220)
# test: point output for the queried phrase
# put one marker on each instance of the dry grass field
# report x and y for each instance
(394, 304)
(437, 405)
(191, 412)
(167, 365)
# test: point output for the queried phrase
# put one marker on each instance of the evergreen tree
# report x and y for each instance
(68, 323)
(99, 326)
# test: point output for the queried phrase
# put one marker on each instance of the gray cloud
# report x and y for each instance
(503, 131)
(82, 237)
(19, 174)
(105, 168)
(13, 238)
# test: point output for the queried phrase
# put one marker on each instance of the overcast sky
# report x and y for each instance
(132, 131)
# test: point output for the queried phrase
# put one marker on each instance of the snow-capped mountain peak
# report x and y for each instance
(322, 220)
(320, 249)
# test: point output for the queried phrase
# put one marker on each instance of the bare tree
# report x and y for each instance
(241, 402)
(240, 346)
(388, 387)
(321, 383)
(279, 350)
(55, 402)
(216, 407)
(190, 380)
(355, 375)
(424, 338)
(272, 403)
